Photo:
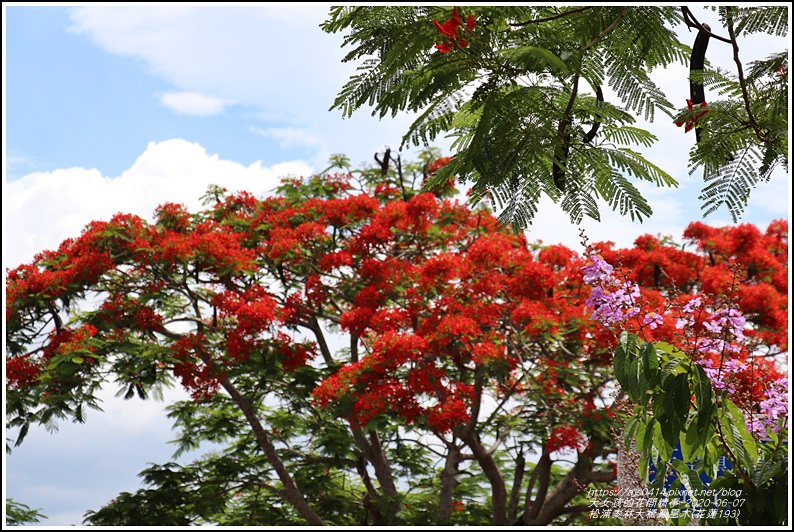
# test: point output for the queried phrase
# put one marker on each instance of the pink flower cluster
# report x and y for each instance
(612, 300)
(716, 339)
(720, 376)
(720, 337)
(774, 410)
(727, 332)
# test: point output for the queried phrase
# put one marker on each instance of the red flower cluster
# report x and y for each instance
(445, 189)
(438, 164)
(197, 376)
(22, 372)
(444, 308)
(449, 30)
(565, 437)
(690, 122)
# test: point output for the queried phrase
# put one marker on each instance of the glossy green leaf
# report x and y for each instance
(745, 439)
(676, 407)
(650, 363)
(630, 431)
(689, 478)
(690, 444)
(620, 360)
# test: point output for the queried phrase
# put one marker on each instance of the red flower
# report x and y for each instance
(690, 123)
(450, 32)
(438, 164)
(565, 437)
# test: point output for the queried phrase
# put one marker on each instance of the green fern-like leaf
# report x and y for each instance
(637, 90)
(517, 99)
(578, 200)
(437, 118)
(631, 162)
(623, 196)
(730, 186)
(772, 20)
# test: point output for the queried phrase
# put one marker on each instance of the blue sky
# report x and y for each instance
(91, 89)
(117, 108)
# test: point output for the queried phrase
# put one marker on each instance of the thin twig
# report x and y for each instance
(742, 81)
(608, 29)
(547, 19)
(692, 22)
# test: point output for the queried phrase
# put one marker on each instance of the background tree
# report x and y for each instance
(18, 513)
(361, 352)
(731, 461)
(520, 89)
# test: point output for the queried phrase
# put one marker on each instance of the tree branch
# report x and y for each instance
(608, 29)
(571, 484)
(292, 493)
(692, 22)
(448, 483)
(553, 17)
(543, 472)
(374, 454)
(314, 326)
(515, 491)
(494, 475)
(742, 81)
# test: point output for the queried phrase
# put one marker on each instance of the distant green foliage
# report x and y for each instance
(517, 95)
(21, 514)
(707, 428)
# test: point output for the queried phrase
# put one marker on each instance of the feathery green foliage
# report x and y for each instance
(18, 514)
(517, 94)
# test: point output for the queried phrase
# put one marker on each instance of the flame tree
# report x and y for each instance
(364, 352)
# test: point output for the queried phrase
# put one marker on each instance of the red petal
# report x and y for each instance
(447, 29)
(455, 16)
(470, 23)
(450, 29)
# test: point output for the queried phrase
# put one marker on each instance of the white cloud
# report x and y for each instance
(131, 30)
(102, 457)
(43, 208)
(272, 60)
(82, 466)
(193, 103)
(288, 137)
(268, 58)
(771, 199)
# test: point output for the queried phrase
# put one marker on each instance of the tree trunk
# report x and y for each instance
(374, 454)
(291, 492)
(629, 482)
(448, 482)
(491, 470)
(515, 491)
(541, 473)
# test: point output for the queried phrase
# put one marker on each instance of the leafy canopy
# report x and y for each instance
(520, 90)
(361, 351)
